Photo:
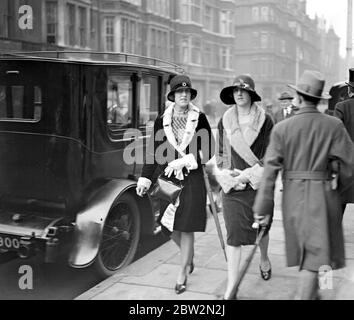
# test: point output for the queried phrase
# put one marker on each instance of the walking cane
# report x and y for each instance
(212, 206)
(247, 263)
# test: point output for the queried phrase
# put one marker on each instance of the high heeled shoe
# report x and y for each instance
(266, 275)
(191, 268)
(180, 288)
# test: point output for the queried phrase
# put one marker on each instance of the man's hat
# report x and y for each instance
(285, 96)
(181, 82)
(351, 78)
(311, 84)
(244, 82)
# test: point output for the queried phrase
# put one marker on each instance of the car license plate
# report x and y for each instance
(9, 242)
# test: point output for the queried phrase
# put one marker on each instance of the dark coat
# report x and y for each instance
(191, 213)
(237, 205)
(305, 145)
(279, 116)
(345, 111)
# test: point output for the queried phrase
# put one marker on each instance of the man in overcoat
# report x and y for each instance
(286, 109)
(345, 111)
(304, 146)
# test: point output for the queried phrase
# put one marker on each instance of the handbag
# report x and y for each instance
(167, 190)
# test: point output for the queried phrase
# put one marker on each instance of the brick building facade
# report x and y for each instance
(273, 40)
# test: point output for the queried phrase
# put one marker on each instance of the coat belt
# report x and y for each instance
(306, 175)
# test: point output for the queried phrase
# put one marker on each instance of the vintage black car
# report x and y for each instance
(65, 187)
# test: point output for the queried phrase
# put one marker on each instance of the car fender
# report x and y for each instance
(90, 222)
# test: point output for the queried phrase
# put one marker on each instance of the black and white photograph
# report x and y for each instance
(180, 153)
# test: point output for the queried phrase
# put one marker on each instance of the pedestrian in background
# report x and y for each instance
(268, 107)
(345, 111)
(210, 112)
(305, 146)
(182, 129)
(286, 108)
(243, 136)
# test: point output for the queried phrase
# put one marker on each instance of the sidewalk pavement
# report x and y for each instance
(153, 276)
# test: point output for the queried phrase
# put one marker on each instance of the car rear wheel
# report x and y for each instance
(120, 237)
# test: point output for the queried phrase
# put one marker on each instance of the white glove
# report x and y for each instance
(143, 186)
(187, 161)
(244, 176)
(227, 179)
(176, 166)
(254, 176)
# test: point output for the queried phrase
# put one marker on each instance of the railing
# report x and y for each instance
(93, 56)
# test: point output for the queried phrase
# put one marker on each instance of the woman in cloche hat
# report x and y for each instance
(176, 133)
(244, 133)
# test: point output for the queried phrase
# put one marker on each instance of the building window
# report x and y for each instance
(264, 41)
(226, 22)
(225, 58)
(109, 26)
(255, 40)
(153, 43)
(270, 68)
(265, 14)
(159, 7)
(82, 27)
(185, 10)
(283, 46)
(164, 42)
(71, 24)
(52, 21)
(271, 14)
(264, 67)
(196, 51)
(208, 18)
(191, 10)
(208, 55)
(298, 31)
(93, 23)
(196, 11)
(185, 50)
(255, 14)
(134, 2)
(255, 67)
(158, 44)
(130, 36)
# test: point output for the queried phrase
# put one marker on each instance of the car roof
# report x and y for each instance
(95, 58)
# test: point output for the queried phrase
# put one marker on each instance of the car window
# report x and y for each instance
(21, 103)
(149, 100)
(119, 102)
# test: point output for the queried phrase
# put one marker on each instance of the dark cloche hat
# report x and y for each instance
(351, 78)
(285, 96)
(311, 84)
(181, 82)
(244, 82)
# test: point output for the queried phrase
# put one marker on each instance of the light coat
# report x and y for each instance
(304, 145)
